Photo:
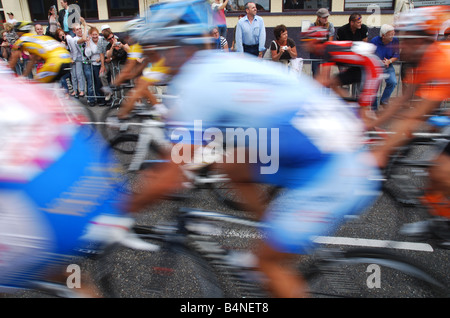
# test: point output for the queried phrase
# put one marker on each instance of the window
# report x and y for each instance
(123, 8)
(362, 5)
(423, 3)
(239, 5)
(39, 9)
(88, 8)
(310, 5)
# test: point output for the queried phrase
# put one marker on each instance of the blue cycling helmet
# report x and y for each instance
(178, 21)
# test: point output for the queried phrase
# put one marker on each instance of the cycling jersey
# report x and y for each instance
(361, 56)
(157, 72)
(56, 57)
(297, 138)
(57, 186)
(433, 73)
(136, 52)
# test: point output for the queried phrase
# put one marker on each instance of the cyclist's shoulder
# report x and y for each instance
(436, 59)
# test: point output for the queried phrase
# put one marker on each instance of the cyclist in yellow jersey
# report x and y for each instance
(135, 57)
(57, 58)
(152, 68)
(155, 73)
(133, 66)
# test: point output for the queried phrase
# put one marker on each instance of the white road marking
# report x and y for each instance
(348, 241)
(423, 247)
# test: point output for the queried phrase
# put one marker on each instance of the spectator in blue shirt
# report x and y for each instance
(388, 51)
(251, 32)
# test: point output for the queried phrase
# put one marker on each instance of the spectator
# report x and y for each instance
(77, 74)
(63, 17)
(388, 51)
(66, 82)
(251, 32)
(219, 16)
(39, 29)
(221, 42)
(5, 46)
(106, 67)
(233, 44)
(354, 30)
(116, 49)
(92, 52)
(11, 18)
(52, 22)
(11, 35)
(283, 48)
(321, 21)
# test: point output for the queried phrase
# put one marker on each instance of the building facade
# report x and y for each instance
(292, 13)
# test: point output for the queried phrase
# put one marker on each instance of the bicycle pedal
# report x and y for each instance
(123, 127)
(418, 230)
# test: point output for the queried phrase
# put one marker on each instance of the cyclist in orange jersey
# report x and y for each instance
(430, 81)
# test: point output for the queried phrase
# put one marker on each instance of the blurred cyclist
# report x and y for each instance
(362, 67)
(431, 83)
(147, 70)
(288, 132)
(57, 60)
(135, 60)
(56, 186)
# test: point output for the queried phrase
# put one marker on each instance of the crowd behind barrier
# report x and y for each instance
(113, 68)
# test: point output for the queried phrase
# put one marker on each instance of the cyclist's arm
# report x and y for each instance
(31, 63)
(403, 128)
(393, 107)
(15, 56)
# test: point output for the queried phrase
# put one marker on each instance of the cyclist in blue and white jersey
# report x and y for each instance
(294, 136)
(57, 189)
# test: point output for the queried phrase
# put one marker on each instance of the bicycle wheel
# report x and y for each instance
(172, 272)
(80, 114)
(111, 127)
(369, 273)
(132, 162)
(407, 172)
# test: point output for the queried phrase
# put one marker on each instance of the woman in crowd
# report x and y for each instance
(92, 52)
(283, 48)
(52, 22)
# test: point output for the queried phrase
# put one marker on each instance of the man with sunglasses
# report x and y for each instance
(354, 30)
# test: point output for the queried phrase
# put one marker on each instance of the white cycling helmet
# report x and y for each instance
(422, 22)
(184, 22)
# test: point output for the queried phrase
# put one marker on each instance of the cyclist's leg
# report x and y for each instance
(318, 207)
(156, 183)
(139, 91)
(438, 193)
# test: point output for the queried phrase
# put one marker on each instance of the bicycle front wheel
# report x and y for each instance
(370, 273)
(172, 272)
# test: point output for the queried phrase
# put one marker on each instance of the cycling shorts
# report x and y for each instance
(68, 207)
(318, 198)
